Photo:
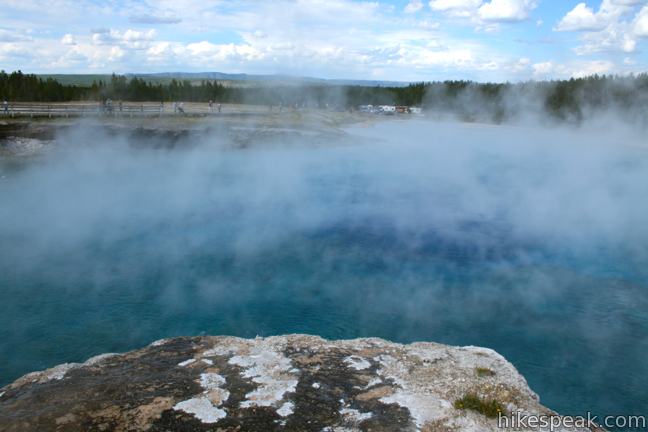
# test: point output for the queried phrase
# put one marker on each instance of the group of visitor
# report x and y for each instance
(211, 106)
(178, 108)
(107, 106)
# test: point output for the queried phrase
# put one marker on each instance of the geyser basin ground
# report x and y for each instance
(529, 241)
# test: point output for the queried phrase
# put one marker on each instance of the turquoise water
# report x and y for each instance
(523, 241)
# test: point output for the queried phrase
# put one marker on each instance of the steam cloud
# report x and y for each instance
(506, 236)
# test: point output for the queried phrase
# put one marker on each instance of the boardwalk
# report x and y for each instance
(83, 109)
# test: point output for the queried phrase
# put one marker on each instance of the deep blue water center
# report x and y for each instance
(530, 242)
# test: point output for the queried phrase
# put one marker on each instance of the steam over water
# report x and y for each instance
(533, 242)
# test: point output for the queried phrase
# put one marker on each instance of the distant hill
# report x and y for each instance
(221, 76)
(239, 79)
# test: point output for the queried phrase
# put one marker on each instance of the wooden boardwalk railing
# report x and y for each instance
(130, 109)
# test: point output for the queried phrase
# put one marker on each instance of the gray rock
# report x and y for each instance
(296, 382)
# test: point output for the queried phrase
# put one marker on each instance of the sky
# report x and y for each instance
(394, 40)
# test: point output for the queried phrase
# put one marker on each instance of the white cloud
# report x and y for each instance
(335, 38)
(550, 69)
(68, 39)
(592, 67)
(445, 5)
(506, 10)
(543, 69)
(135, 35)
(13, 36)
(329, 38)
(132, 39)
(205, 52)
(640, 25)
(611, 28)
(12, 50)
(522, 64)
(101, 38)
(612, 38)
(579, 19)
(478, 11)
(155, 19)
(583, 17)
(456, 8)
(414, 6)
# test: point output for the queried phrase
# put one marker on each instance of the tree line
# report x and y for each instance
(564, 99)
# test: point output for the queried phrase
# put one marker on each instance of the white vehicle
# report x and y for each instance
(388, 109)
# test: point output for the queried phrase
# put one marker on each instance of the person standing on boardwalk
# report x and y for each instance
(5, 106)
(219, 108)
(211, 106)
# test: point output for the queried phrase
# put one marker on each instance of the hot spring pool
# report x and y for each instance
(530, 242)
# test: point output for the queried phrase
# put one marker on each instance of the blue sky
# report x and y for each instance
(407, 40)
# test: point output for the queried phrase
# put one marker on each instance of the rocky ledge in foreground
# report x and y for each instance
(298, 383)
